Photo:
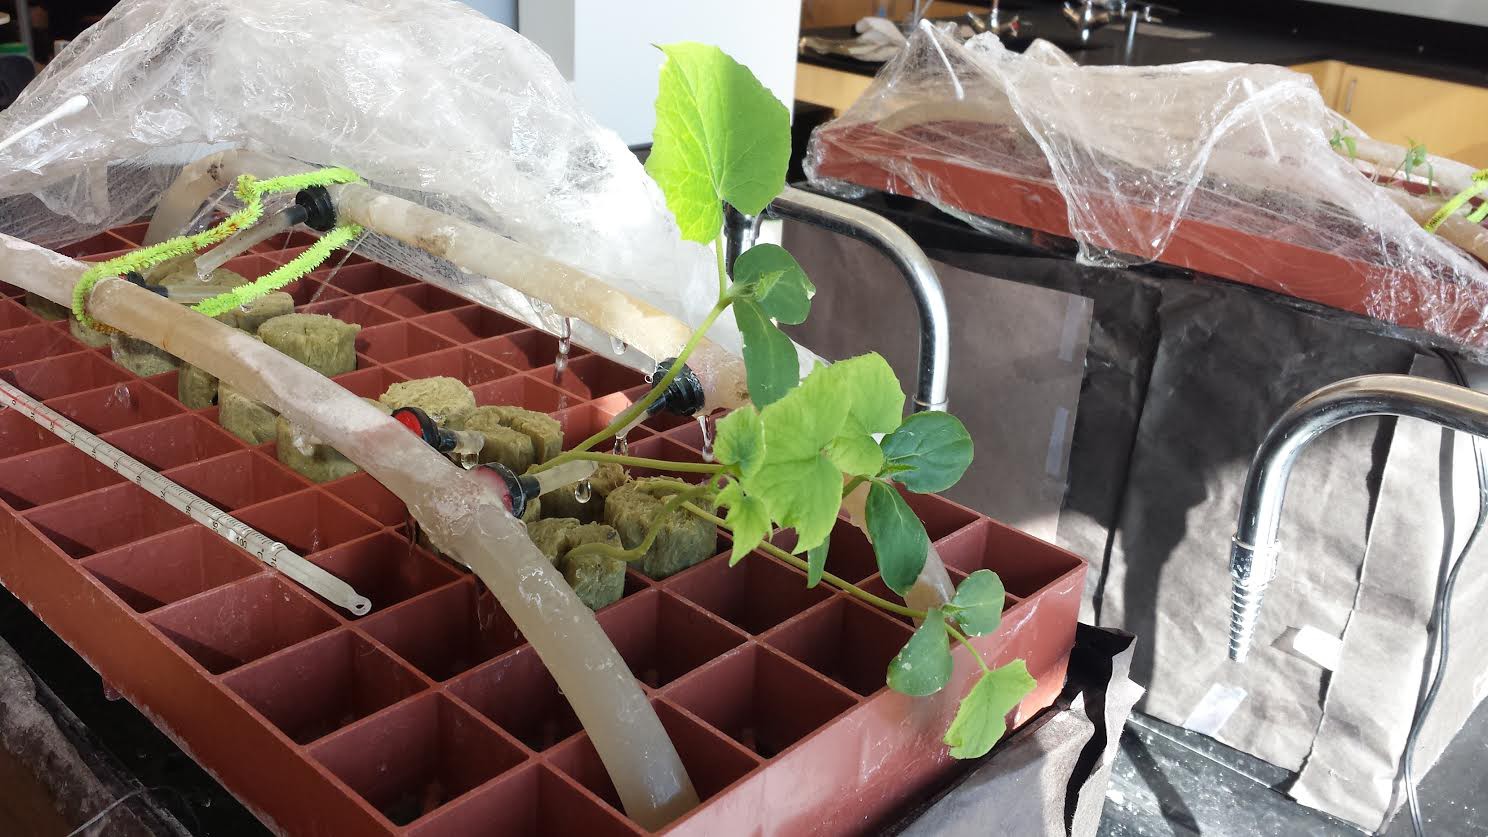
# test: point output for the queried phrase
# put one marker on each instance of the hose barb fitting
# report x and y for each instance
(684, 396)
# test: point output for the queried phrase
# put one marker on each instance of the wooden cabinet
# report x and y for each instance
(1450, 119)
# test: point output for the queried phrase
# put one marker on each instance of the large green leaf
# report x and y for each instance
(929, 452)
(855, 454)
(770, 275)
(720, 136)
(770, 365)
(899, 539)
(801, 488)
(741, 439)
(981, 719)
(867, 382)
(977, 606)
(923, 666)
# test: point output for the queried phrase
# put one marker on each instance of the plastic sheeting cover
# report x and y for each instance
(1136, 150)
(426, 99)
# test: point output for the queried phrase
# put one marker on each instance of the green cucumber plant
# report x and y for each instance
(787, 460)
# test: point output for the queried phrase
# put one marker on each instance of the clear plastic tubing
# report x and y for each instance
(229, 528)
(460, 513)
(240, 242)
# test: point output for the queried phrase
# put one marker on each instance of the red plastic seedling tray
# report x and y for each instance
(1238, 243)
(432, 715)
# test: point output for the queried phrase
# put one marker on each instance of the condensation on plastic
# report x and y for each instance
(1136, 150)
(425, 99)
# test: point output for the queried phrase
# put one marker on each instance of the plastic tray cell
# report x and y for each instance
(850, 557)
(242, 622)
(587, 419)
(417, 756)
(662, 637)
(307, 291)
(361, 278)
(516, 692)
(308, 521)
(104, 519)
(385, 568)
(416, 300)
(524, 391)
(368, 496)
(237, 480)
(51, 474)
(755, 595)
(320, 686)
(526, 350)
(397, 341)
(19, 435)
(116, 406)
(55, 377)
(470, 324)
(35, 342)
(761, 699)
(445, 632)
(844, 641)
(15, 315)
(1024, 568)
(104, 242)
(528, 802)
(157, 571)
(174, 441)
(713, 760)
(463, 365)
(593, 375)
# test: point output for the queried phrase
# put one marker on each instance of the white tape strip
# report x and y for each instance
(1214, 709)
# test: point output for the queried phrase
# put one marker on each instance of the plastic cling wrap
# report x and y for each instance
(425, 99)
(1241, 168)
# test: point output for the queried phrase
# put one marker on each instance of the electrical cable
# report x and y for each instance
(1439, 625)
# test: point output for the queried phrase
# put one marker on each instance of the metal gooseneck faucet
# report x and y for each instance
(1254, 552)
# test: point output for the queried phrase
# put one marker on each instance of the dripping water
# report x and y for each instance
(622, 444)
(560, 363)
(617, 345)
(583, 491)
(706, 425)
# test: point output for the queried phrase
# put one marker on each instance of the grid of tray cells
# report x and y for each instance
(741, 663)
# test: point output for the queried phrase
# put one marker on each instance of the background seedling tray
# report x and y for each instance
(432, 715)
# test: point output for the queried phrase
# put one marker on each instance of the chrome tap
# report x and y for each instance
(1086, 17)
(992, 22)
(1254, 552)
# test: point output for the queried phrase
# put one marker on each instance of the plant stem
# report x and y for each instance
(966, 642)
(845, 586)
(653, 464)
(719, 245)
(637, 409)
(852, 485)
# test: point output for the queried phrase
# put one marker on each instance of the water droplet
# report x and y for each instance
(583, 491)
(560, 363)
(622, 444)
(617, 345)
(706, 424)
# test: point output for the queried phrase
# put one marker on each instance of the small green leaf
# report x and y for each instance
(857, 455)
(749, 520)
(923, 666)
(981, 719)
(741, 439)
(899, 539)
(929, 452)
(770, 275)
(816, 563)
(770, 365)
(978, 603)
(720, 136)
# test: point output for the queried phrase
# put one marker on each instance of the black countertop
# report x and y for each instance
(1286, 36)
